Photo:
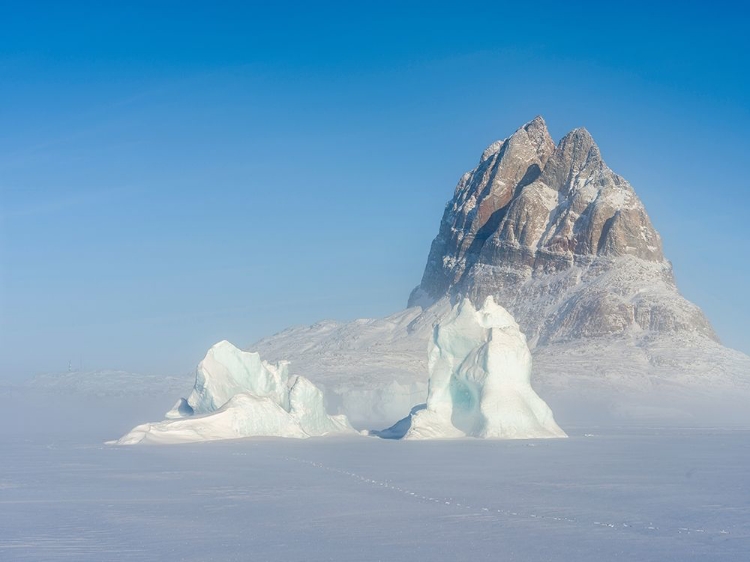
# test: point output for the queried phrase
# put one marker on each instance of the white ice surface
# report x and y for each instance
(655, 495)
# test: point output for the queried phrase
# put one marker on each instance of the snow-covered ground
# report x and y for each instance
(642, 494)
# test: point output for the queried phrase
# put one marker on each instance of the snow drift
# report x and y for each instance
(236, 394)
(480, 370)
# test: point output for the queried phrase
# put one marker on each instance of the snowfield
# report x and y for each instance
(649, 494)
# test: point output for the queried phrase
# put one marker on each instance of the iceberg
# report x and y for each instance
(480, 381)
(237, 394)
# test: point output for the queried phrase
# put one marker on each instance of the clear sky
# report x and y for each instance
(172, 174)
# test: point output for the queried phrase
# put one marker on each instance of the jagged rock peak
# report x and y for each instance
(549, 204)
(532, 209)
(534, 133)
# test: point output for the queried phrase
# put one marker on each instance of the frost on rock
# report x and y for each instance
(480, 369)
(236, 394)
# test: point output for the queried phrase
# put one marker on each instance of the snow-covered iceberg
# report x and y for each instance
(236, 394)
(480, 370)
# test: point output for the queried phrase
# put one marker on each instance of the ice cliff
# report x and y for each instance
(480, 371)
(236, 394)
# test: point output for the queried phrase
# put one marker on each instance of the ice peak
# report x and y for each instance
(221, 345)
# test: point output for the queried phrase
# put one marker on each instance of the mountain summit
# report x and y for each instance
(560, 240)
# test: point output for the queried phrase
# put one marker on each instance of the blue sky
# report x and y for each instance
(172, 174)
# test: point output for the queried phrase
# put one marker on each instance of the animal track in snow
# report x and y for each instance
(451, 503)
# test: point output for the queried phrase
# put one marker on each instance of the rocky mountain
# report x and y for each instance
(560, 240)
(566, 245)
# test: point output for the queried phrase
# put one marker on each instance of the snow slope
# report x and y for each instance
(375, 370)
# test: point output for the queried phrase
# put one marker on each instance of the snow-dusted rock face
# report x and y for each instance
(479, 386)
(236, 394)
(560, 240)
